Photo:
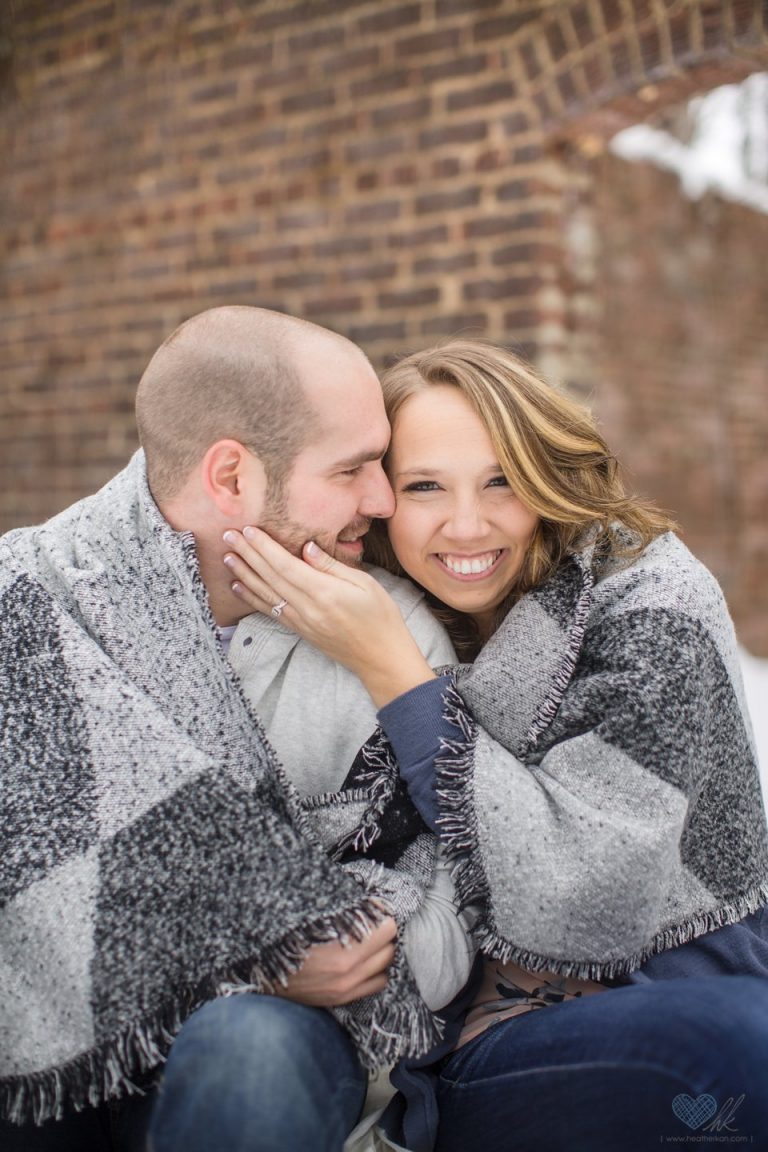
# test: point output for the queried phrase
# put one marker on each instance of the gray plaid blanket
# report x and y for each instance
(601, 797)
(152, 853)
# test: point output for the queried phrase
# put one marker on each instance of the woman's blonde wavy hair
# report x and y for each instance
(551, 453)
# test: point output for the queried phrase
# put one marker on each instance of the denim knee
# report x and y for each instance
(257, 1072)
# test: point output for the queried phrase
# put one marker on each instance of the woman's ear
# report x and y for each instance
(233, 479)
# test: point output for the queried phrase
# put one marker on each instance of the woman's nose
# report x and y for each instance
(466, 521)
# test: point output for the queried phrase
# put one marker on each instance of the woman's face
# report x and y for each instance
(458, 528)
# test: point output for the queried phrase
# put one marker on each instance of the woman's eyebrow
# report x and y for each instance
(419, 471)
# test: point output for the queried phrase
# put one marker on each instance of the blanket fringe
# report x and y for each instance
(397, 1029)
(499, 948)
(108, 1070)
(562, 676)
(378, 782)
(458, 833)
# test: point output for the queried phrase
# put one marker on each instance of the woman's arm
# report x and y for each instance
(341, 610)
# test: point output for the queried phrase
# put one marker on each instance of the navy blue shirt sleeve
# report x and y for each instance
(415, 725)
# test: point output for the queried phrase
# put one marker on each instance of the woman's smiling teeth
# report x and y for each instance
(469, 565)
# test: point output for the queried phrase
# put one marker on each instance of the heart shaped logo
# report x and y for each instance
(692, 1112)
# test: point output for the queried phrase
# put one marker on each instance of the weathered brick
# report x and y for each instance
(373, 212)
(333, 126)
(390, 18)
(445, 166)
(567, 88)
(305, 160)
(372, 270)
(315, 40)
(455, 324)
(434, 234)
(342, 246)
(300, 279)
(499, 27)
(447, 201)
(613, 14)
(404, 113)
(372, 333)
(328, 305)
(453, 68)
(352, 60)
(531, 61)
(441, 265)
(556, 42)
(246, 56)
(520, 319)
(308, 101)
(513, 190)
(500, 289)
(467, 132)
(650, 48)
(515, 254)
(500, 225)
(410, 298)
(621, 60)
(212, 92)
(380, 85)
(496, 92)
(440, 40)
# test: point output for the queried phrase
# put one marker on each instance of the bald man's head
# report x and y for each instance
(230, 373)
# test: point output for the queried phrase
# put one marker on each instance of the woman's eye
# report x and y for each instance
(421, 486)
(498, 482)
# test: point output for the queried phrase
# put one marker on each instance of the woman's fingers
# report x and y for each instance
(275, 559)
(249, 586)
(252, 567)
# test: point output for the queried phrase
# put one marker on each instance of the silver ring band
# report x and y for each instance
(279, 607)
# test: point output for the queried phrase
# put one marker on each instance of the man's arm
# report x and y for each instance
(336, 973)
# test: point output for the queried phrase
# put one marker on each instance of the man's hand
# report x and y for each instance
(336, 973)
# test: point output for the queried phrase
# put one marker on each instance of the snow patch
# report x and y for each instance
(755, 672)
(728, 150)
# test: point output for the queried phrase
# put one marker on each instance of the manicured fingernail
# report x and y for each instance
(229, 537)
(248, 532)
(229, 560)
(311, 548)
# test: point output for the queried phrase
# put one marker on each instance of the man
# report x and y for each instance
(154, 855)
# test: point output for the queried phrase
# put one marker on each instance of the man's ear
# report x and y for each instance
(233, 479)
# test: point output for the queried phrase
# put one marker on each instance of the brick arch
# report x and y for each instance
(658, 299)
(610, 63)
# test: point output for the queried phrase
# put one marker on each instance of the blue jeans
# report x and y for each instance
(258, 1074)
(628, 1070)
(245, 1074)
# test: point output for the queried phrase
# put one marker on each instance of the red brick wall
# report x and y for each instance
(680, 372)
(391, 168)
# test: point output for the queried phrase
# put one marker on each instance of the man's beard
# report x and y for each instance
(293, 536)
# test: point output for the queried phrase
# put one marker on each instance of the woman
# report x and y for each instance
(591, 774)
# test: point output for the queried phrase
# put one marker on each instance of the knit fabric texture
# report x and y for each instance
(601, 800)
(153, 854)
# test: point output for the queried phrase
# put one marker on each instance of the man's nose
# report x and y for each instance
(378, 500)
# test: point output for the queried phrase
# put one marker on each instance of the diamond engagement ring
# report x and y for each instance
(279, 607)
